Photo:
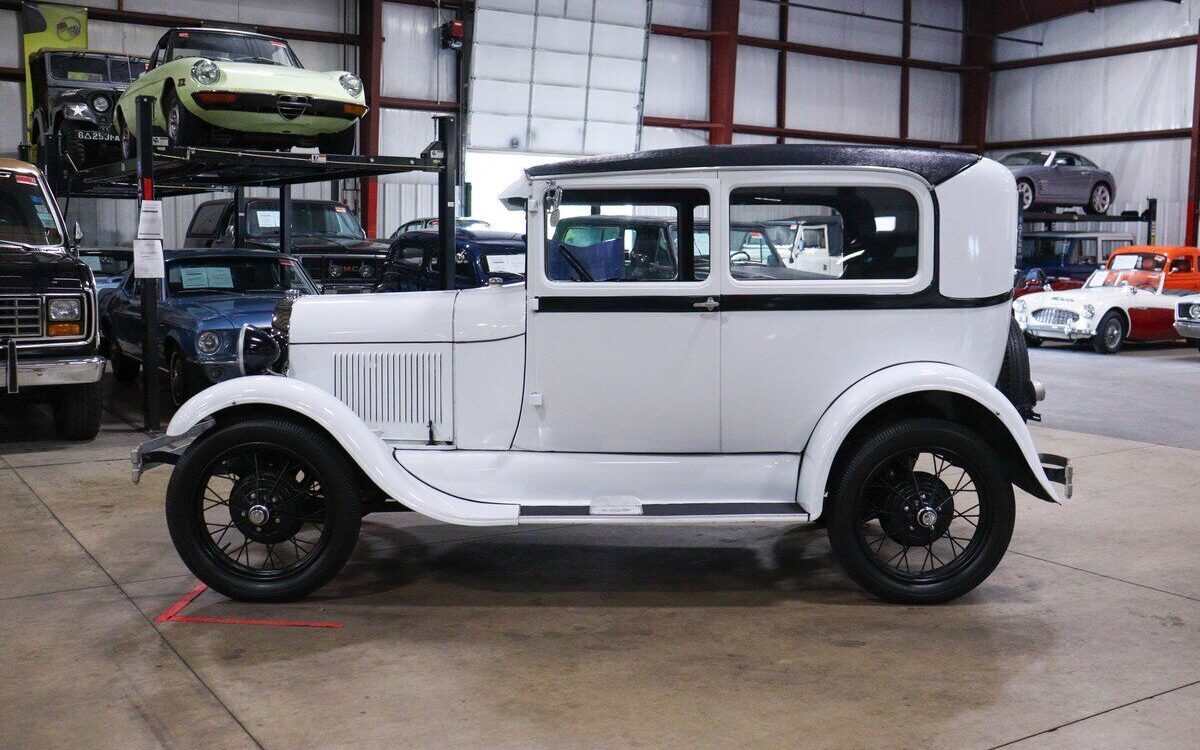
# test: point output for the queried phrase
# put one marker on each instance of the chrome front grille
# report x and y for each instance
(291, 107)
(20, 317)
(1055, 316)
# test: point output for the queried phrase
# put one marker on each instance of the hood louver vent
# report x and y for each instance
(400, 393)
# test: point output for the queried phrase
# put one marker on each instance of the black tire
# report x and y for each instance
(1110, 334)
(183, 128)
(1026, 197)
(77, 411)
(859, 499)
(181, 381)
(125, 368)
(341, 142)
(321, 464)
(1014, 381)
(1100, 199)
(129, 147)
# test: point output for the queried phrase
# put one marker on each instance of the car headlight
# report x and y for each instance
(208, 342)
(335, 272)
(366, 271)
(1089, 311)
(64, 310)
(1019, 305)
(101, 104)
(205, 72)
(351, 83)
(1194, 312)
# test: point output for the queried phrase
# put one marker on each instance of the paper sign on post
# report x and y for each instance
(150, 221)
(147, 259)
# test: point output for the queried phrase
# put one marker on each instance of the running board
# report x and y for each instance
(666, 513)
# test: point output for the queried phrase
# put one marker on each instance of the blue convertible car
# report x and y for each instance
(207, 296)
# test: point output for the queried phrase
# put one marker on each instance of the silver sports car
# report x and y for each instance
(1061, 178)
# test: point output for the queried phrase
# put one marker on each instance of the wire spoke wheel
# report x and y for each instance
(264, 511)
(921, 519)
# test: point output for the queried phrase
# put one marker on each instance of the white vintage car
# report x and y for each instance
(1133, 298)
(1187, 319)
(627, 383)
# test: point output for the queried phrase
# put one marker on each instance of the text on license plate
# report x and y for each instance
(95, 135)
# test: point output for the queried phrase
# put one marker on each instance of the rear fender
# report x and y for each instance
(893, 383)
(364, 447)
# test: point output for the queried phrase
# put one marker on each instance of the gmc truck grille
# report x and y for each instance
(1055, 317)
(20, 317)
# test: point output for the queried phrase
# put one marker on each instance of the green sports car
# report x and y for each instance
(224, 87)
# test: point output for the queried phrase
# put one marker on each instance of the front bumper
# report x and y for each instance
(1063, 332)
(1189, 329)
(150, 453)
(48, 371)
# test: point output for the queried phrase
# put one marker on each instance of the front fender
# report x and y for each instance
(882, 386)
(364, 447)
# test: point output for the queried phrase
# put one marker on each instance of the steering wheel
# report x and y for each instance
(574, 263)
(739, 256)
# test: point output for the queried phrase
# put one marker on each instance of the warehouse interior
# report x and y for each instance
(576, 634)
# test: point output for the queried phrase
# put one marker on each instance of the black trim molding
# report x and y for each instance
(929, 299)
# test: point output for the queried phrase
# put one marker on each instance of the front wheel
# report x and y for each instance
(264, 509)
(76, 410)
(1110, 334)
(183, 128)
(1025, 194)
(922, 512)
(181, 381)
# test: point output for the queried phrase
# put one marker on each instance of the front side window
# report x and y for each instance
(1026, 159)
(27, 217)
(628, 235)
(234, 47)
(309, 219)
(799, 233)
(236, 275)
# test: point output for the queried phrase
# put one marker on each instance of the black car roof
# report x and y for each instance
(223, 30)
(470, 235)
(934, 166)
(231, 252)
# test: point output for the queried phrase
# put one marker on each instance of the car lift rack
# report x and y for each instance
(1046, 220)
(159, 171)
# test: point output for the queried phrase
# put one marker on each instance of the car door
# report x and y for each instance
(125, 317)
(625, 357)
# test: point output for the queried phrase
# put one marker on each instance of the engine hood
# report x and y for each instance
(326, 245)
(1071, 299)
(230, 312)
(401, 317)
(39, 271)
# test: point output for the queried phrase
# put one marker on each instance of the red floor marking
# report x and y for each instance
(171, 614)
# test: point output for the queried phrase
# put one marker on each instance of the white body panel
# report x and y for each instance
(535, 478)
(977, 247)
(411, 317)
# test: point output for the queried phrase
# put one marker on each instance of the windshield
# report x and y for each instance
(26, 214)
(236, 275)
(1026, 159)
(95, 69)
(309, 219)
(106, 265)
(236, 47)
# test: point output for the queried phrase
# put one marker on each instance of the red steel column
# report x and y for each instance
(905, 69)
(976, 78)
(1194, 160)
(370, 65)
(722, 60)
(781, 75)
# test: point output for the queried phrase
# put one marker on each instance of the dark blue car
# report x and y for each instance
(208, 295)
(482, 254)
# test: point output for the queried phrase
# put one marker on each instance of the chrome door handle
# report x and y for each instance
(709, 304)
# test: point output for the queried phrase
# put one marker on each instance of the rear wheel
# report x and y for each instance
(264, 510)
(77, 411)
(922, 513)
(1110, 334)
(1014, 381)
(341, 142)
(1101, 199)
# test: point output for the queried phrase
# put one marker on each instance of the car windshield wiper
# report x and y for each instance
(14, 243)
(208, 290)
(263, 60)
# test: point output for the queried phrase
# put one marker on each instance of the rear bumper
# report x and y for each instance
(48, 371)
(1060, 471)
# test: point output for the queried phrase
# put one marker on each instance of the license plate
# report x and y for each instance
(96, 135)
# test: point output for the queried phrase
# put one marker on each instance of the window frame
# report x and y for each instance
(539, 284)
(875, 177)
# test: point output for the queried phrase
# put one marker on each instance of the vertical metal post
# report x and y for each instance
(722, 61)
(151, 404)
(447, 180)
(239, 216)
(285, 218)
(1193, 185)
(1152, 222)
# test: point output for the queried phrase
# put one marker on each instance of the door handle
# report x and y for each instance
(709, 304)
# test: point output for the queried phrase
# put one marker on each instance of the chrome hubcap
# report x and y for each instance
(1101, 199)
(927, 517)
(1112, 334)
(258, 515)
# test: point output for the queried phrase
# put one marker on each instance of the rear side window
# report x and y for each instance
(207, 220)
(806, 233)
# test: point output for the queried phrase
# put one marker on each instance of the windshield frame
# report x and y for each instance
(169, 55)
(272, 205)
(130, 60)
(280, 260)
(47, 195)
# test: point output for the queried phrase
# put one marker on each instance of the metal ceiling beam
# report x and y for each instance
(1009, 16)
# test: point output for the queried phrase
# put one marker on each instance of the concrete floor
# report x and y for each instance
(1085, 636)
